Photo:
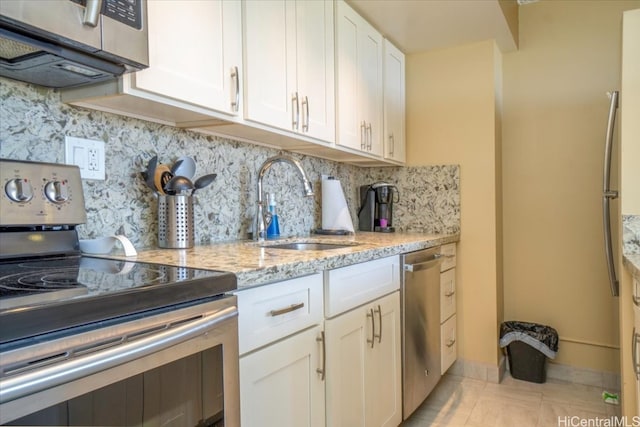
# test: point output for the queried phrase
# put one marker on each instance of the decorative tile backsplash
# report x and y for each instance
(33, 124)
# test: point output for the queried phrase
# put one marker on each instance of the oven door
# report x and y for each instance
(173, 368)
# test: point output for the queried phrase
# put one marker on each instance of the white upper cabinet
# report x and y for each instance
(195, 53)
(289, 63)
(394, 103)
(308, 76)
(359, 82)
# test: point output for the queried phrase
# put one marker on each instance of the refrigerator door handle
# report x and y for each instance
(609, 194)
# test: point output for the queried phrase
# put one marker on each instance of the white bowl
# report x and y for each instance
(102, 245)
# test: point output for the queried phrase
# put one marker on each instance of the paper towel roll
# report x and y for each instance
(335, 212)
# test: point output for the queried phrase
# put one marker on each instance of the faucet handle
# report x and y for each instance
(268, 217)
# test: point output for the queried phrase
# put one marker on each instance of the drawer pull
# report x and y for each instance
(450, 343)
(281, 311)
(449, 294)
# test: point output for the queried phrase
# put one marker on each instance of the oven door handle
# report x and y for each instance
(14, 387)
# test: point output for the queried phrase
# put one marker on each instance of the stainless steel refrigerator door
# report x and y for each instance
(609, 194)
(421, 327)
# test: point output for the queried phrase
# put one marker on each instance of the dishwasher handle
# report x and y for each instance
(425, 265)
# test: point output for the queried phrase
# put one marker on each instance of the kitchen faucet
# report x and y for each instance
(261, 223)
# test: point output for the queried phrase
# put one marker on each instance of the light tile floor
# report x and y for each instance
(460, 401)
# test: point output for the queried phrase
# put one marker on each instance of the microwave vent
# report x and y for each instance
(11, 49)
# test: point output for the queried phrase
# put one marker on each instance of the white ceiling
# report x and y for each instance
(419, 25)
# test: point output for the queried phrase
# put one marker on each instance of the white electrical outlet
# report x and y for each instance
(88, 155)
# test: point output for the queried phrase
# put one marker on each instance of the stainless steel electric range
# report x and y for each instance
(95, 341)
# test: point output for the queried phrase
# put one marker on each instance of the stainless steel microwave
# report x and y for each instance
(66, 43)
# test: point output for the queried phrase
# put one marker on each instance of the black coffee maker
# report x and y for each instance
(376, 207)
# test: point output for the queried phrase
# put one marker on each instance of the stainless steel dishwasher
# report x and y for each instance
(420, 299)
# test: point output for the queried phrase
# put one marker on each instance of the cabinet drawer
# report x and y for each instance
(447, 294)
(268, 313)
(448, 343)
(349, 287)
(448, 252)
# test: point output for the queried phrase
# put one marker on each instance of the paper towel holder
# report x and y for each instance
(336, 218)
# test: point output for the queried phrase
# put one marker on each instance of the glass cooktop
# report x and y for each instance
(38, 296)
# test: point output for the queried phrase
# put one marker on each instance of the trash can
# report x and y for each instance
(528, 346)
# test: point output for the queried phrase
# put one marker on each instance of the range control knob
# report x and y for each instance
(19, 190)
(57, 191)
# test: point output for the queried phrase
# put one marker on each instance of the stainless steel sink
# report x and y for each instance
(308, 246)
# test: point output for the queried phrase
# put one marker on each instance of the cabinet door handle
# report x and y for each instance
(634, 353)
(305, 107)
(373, 328)
(363, 137)
(281, 311)
(379, 336)
(295, 111)
(322, 371)
(451, 342)
(369, 137)
(392, 143)
(235, 75)
(449, 294)
(636, 300)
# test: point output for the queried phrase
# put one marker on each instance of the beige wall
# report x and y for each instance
(550, 148)
(555, 112)
(451, 119)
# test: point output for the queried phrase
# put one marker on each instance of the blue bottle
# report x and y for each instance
(273, 230)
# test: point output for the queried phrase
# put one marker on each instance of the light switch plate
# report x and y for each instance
(88, 155)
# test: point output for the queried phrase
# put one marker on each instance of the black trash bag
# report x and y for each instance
(541, 337)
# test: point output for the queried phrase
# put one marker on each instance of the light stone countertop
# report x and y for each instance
(632, 263)
(254, 265)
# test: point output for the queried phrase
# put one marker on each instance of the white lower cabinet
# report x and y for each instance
(364, 365)
(281, 385)
(294, 372)
(281, 354)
